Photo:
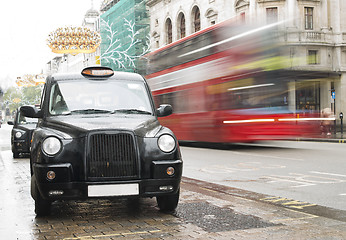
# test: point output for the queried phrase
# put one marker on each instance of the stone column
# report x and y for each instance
(341, 99)
(292, 96)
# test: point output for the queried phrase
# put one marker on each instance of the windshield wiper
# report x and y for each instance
(88, 111)
(129, 111)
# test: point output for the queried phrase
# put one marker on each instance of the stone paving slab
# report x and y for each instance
(205, 211)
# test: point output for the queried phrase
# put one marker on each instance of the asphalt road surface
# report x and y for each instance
(313, 172)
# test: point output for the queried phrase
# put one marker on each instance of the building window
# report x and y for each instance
(272, 14)
(156, 40)
(211, 16)
(181, 25)
(196, 20)
(308, 18)
(169, 31)
(242, 17)
(313, 57)
(241, 7)
(308, 96)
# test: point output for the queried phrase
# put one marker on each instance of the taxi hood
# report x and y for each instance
(78, 126)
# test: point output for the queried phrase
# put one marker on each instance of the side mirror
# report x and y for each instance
(31, 111)
(10, 122)
(164, 110)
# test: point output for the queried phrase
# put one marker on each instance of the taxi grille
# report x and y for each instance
(112, 156)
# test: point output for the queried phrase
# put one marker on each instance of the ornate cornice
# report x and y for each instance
(151, 3)
(241, 3)
(265, 1)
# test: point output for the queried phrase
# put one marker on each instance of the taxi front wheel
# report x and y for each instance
(168, 202)
(42, 207)
(15, 154)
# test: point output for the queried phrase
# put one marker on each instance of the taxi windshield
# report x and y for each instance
(97, 97)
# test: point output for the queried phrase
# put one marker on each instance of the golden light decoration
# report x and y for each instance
(17, 100)
(31, 80)
(74, 40)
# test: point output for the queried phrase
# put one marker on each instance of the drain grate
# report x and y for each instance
(215, 219)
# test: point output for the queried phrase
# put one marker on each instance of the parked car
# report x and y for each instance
(99, 136)
(21, 134)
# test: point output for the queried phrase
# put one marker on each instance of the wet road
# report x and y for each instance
(311, 172)
(205, 211)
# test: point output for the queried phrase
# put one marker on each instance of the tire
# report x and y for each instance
(168, 203)
(15, 154)
(42, 207)
(31, 170)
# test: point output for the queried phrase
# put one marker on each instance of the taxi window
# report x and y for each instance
(107, 95)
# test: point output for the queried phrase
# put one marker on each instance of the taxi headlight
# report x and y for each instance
(18, 134)
(51, 145)
(166, 143)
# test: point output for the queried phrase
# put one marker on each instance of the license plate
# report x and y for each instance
(113, 190)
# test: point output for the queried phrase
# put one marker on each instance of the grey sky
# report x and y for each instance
(25, 25)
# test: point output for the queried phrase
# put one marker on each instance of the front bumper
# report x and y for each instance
(63, 187)
(21, 146)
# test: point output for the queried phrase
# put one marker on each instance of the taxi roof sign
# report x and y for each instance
(97, 72)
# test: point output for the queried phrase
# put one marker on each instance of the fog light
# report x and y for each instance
(55, 192)
(170, 171)
(166, 188)
(50, 175)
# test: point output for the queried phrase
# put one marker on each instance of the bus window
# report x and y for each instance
(166, 98)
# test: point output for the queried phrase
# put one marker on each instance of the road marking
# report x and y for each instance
(282, 179)
(305, 180)
(307, 216)
(342, 194)
(240, 167)
(112, 235)
(294, 219)
(332, 174)
(286, 202)
(267, 156)
(207, 189)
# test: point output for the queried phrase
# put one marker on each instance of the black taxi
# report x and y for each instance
(98, 136)
(21, 134)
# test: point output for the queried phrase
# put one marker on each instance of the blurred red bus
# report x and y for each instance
(227, 83)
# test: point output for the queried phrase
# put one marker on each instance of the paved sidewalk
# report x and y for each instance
(337, 137)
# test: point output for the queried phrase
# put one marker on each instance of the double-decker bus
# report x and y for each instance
(228, 83)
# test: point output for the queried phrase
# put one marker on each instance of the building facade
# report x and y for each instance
(314, 32)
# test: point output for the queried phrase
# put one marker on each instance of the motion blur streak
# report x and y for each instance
(253, 86)
(281, 120)
(307, 119)
(250, 120)
(231, 83)
(242, 35)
